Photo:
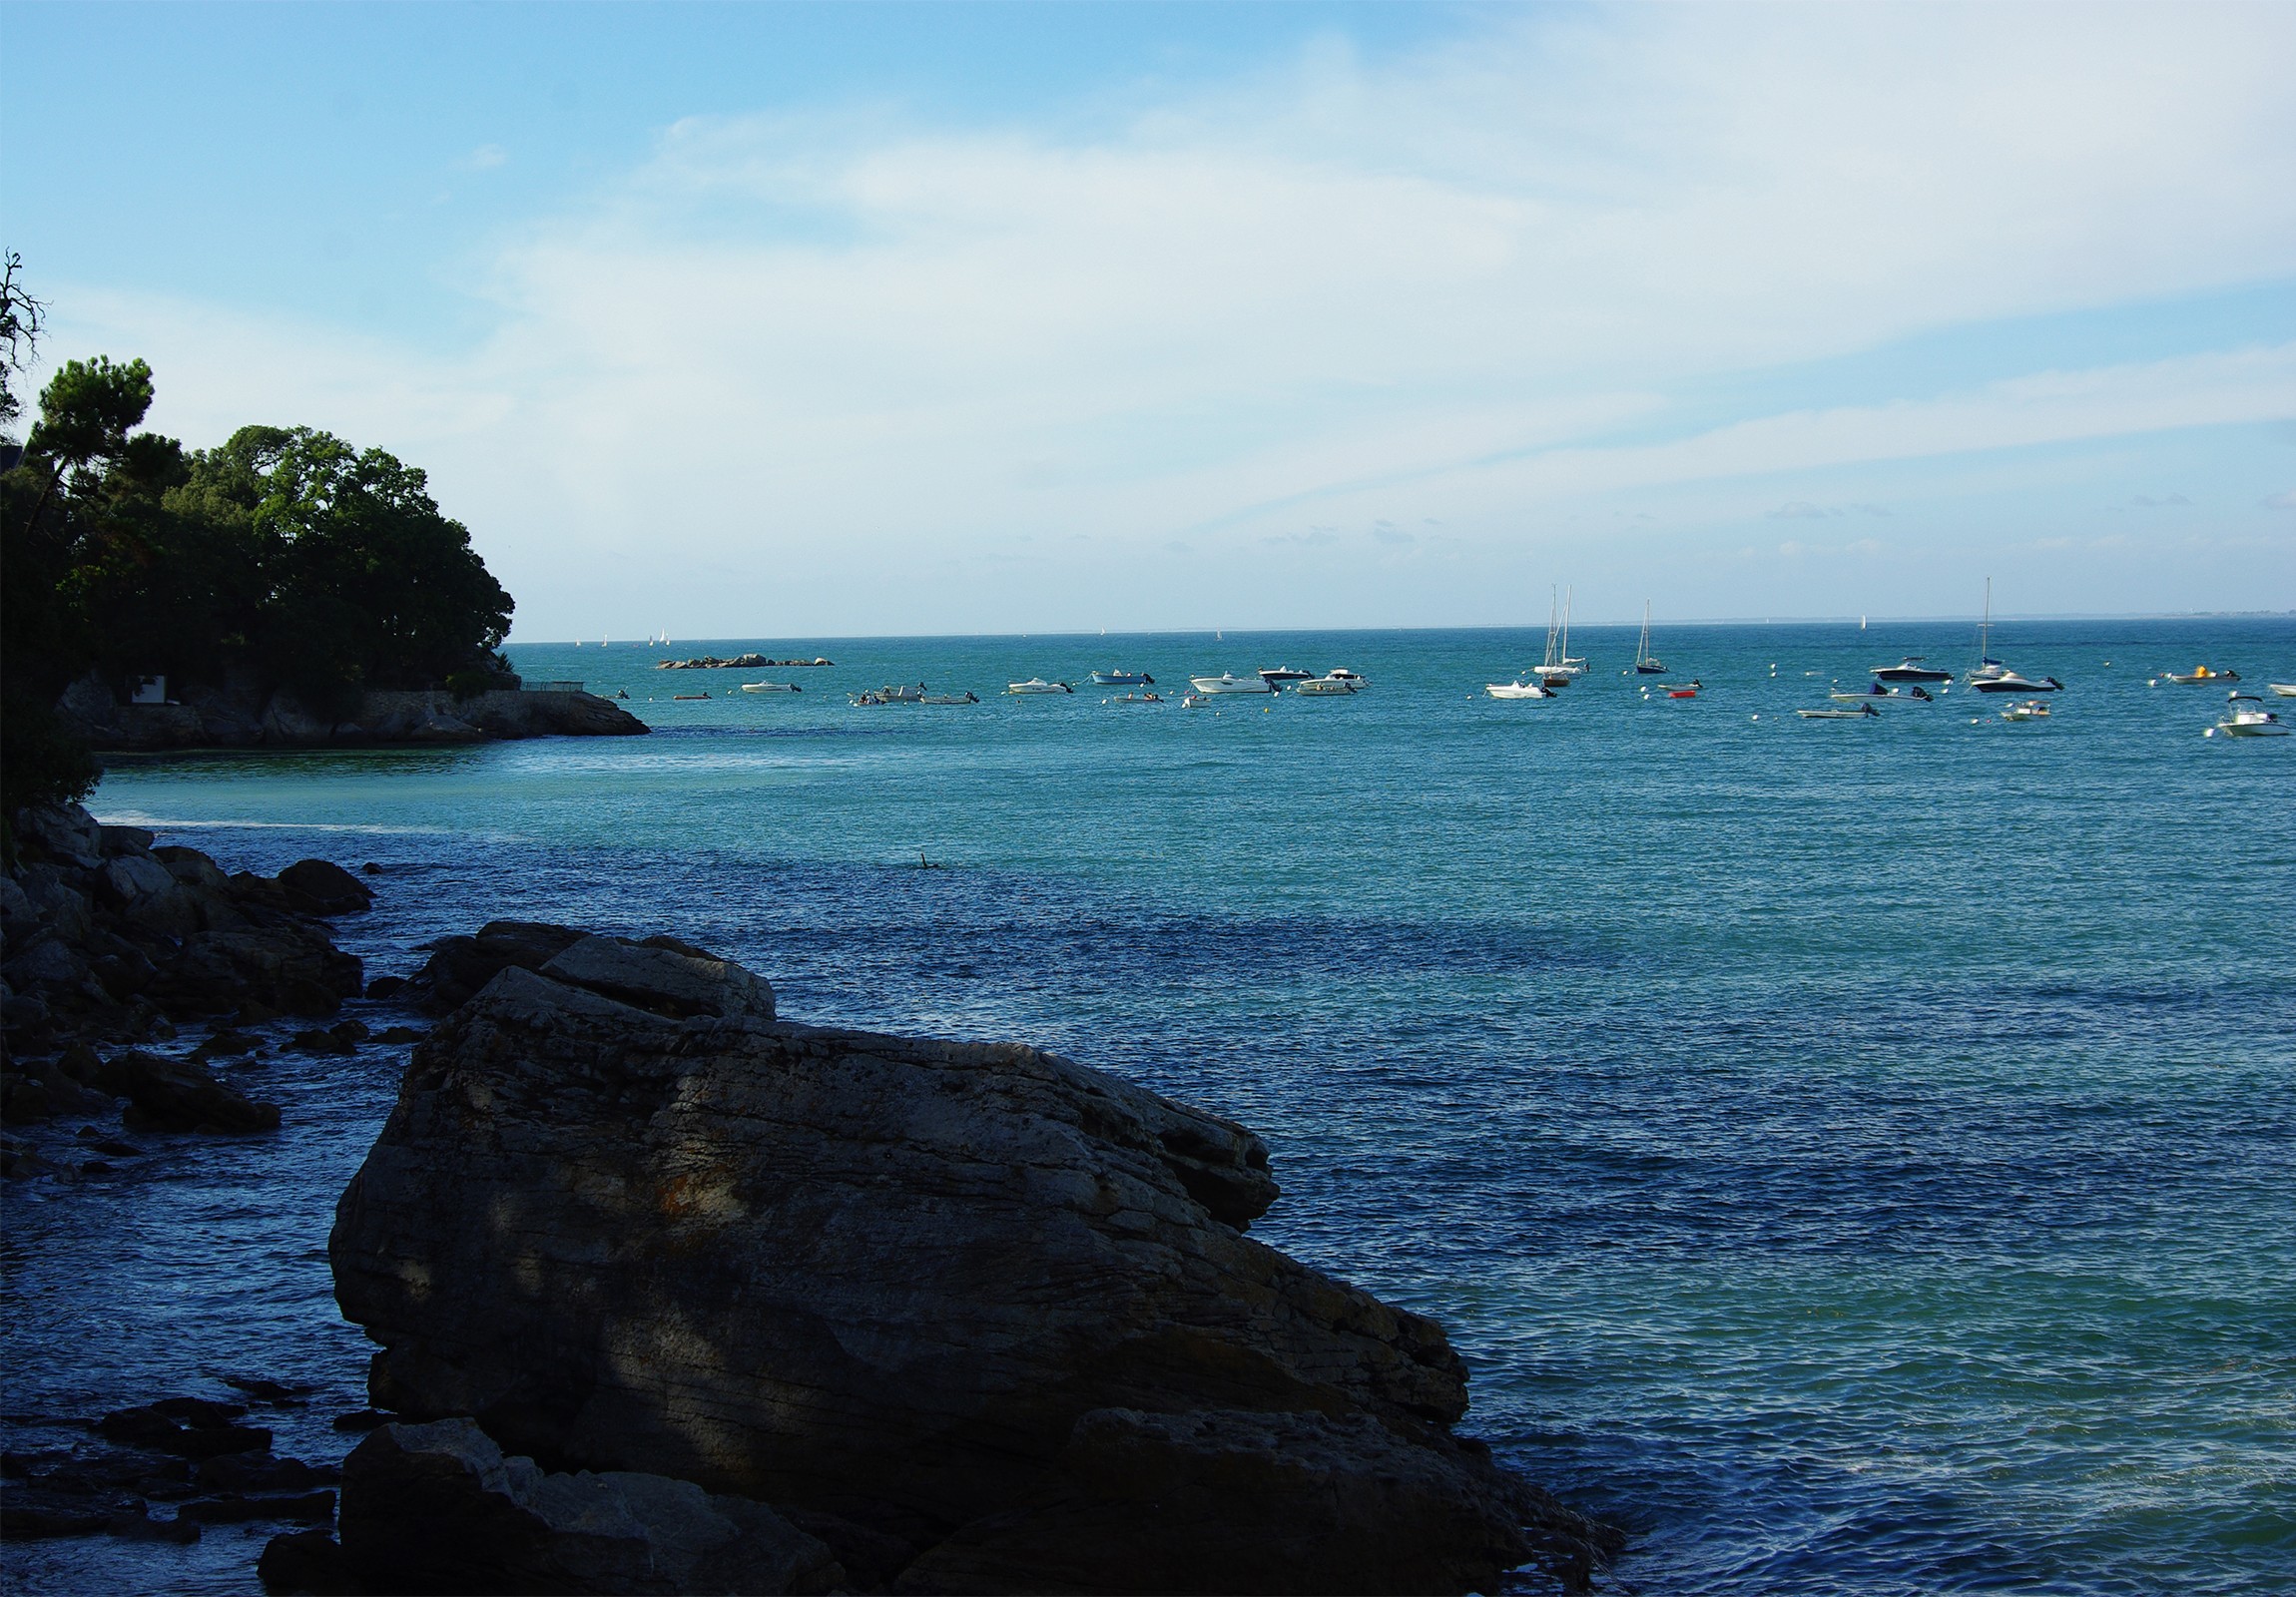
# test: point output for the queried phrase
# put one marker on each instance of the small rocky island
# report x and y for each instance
(748, 662)
(664, 1282)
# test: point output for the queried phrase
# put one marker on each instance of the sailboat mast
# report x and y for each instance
(1642, 649)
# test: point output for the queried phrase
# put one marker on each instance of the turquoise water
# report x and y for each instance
(1857, 1156)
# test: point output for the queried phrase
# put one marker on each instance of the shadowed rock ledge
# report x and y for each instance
(978, 1318)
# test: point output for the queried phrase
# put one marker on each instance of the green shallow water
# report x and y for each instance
(1856, 1156)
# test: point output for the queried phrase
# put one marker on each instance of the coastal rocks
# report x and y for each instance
(481, 1522)
(977, 1313)
(104, 938)
(748, 662)
(244, 713)
(459, 965)
(177, 1095)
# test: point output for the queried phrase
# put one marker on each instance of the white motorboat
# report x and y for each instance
(1342, 673)
(1275, 676)
(2026, 709)
(770, 687)
(2286, 689)
(965, 698)
(1877, 691)
(1858, 713)
(1135, 699)
(1911, 669)
(1229, 682)
(1120, 678)
(1037, 684)
(2200, 677)
(2011, 681)
(1517, 689)
(1327, 688)
(2246, 717)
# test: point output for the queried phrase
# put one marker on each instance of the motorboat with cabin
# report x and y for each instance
(1518, 688)
(1342, 673)
(1911, 669)
(1229, 682)
(2011, 681)
(1275, 676)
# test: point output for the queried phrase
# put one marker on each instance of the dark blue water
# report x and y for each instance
(1857, 1156)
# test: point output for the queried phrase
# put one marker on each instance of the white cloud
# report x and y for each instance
(1343, 291)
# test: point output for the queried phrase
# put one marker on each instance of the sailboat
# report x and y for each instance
(1558, 666)
(1645, 663)
(1988, 668)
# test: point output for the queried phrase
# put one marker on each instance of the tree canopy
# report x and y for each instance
(284, 557)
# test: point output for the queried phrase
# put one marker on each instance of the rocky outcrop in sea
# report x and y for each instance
(243, 715)
(107, 945)
(969, 1317)
(748, 662)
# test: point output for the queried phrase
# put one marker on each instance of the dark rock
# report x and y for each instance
(662, 980)
(34, 1514)
(438, 1509)
(349, 1031)
(190, 1427)
(80, 1062)
(332, 888)
(308, 1562)
(309, 1507)
(260, 1472)
(64, 834)
(1274, 1503)
(20, 1161)
(914, 1285)
(459, 966)
(99, 1143)
(178, 1095)
(372, 869)
(111, 840)
(397, 1034)
(320, 1042)
(271, 1392)
(288, 966)
(385, 986)
(361, 1420)
(228, 1042)
(676, 945)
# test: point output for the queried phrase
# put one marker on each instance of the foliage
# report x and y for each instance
(284, 558)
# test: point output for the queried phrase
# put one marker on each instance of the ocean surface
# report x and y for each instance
(1856, 1156)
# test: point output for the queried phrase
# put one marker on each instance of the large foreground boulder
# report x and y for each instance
(984, 1301)
(438, 1509)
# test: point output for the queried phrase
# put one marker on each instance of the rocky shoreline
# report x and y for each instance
(248, 717)
(675, 1294)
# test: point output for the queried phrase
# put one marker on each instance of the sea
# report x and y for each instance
(1856, 1156)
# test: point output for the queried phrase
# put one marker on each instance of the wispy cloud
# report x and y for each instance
(1344, 292)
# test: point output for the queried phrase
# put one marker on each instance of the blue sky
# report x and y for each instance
(810, 320)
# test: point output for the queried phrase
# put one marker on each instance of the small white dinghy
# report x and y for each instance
(2026, 709)
(2285, 690)
(1858, 713)
(1037, 684)
(770, 687)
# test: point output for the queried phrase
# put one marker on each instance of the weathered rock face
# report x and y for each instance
(992, 1303)
(438, 1509)
(104, 938)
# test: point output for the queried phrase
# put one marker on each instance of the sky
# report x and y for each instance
(831, 320)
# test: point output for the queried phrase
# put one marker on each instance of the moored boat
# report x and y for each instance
(1858, 713)
(1911, 669)
(1037, 684)
(2011, 681)
(1517, 689)
(2286, 689)
(2025, 710)
(1647, 663)
(1122, 678)
(1275, 676)
(770, 687)
(1327, 688)
(1229, 682)
(2200, 676)
(2246, 717)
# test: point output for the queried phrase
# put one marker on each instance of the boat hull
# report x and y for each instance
(1517, 690)
(1223, 684)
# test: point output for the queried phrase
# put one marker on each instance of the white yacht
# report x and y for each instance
(1333, 686)
(1277, 675)
(1342, 673)
(1517, 689)
(1037, 684)
(2006, 681)
(770, 687)
(1229, 682)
